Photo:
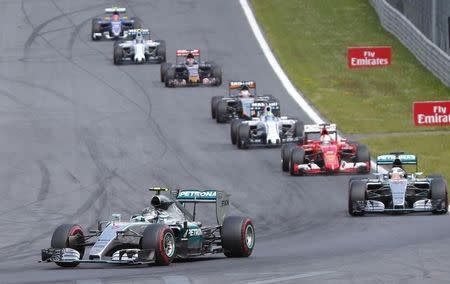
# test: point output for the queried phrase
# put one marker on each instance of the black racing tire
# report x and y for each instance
(356, 193)
(439, 196)
(363, 155)
(96, 28)
(299, 129)
(137, 23)
(221, 112)
(163, 69)
(286, 150)
(234, 126)
(160, 239)
(238, 236)
(161, 50)
(217, 74)
(169, 75)
(214, 101)
(118, 53)
(297, 157)
(68, 236)
(243, 136)
(352, 179)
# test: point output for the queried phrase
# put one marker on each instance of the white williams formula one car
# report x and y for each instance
(141, 49)
(267, 130)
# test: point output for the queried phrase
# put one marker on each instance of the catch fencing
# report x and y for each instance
(429, 54)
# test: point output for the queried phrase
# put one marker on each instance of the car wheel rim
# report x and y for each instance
(249, 236)
(169, 244)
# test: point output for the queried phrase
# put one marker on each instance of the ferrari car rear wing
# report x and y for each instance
(240, 84)
(220, 198)
(317, 128)
(115, 9)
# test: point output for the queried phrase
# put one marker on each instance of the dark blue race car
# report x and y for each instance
(114, 24)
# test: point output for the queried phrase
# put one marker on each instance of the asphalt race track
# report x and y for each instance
(81, 139)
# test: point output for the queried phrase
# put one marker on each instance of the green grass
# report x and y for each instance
(310, 40)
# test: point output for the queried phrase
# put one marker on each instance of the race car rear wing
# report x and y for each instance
(220, 198)
(397, 159)
(240, 84)
(142, 31)
(115, 9)
(317, 128)
(185, 52)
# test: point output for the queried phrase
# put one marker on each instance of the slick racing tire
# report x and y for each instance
(160, 239)
(161, 51)
(234, 125)
(217, 74)
(438, 194)
(163, 70)
(169, 75)
(243, 136)
(363, 155)
(221, 112)
(238, 236)
(297, 157)
(118, 53)
(96, 28)
(286, 150)
(68, 236)
(299, 128)
(214, 101)
(356, 193)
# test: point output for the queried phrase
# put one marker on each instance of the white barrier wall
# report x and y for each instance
(431, 56)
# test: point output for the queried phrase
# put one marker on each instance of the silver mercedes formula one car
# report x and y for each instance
(266, 130)
(141, 49)
(397, 191)
(162, 232)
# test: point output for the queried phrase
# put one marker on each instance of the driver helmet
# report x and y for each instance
(139, 37)
(190, 59)
(397, 173)
(325, 139)
(268, 111)
(115, 17)
(244, 92)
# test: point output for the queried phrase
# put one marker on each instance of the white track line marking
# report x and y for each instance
(293, 277)
(287, 84)
(292, 91)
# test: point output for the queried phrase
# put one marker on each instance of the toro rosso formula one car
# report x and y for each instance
(242, 102)
(397, 191)
(139, 50)
(324, 153)
(190, 71)
(162, 232)
(113, 25)
(266, 130)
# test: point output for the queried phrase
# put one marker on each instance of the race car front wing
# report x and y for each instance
(124, 256)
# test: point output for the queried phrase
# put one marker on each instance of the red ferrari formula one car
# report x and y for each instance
(321, 151)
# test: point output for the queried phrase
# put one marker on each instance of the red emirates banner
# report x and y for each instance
(369, 56)
(435, 113)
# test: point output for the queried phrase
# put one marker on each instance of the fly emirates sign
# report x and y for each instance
(436, 113)
(368, 56)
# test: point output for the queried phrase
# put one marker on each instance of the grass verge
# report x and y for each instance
(310, 39)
